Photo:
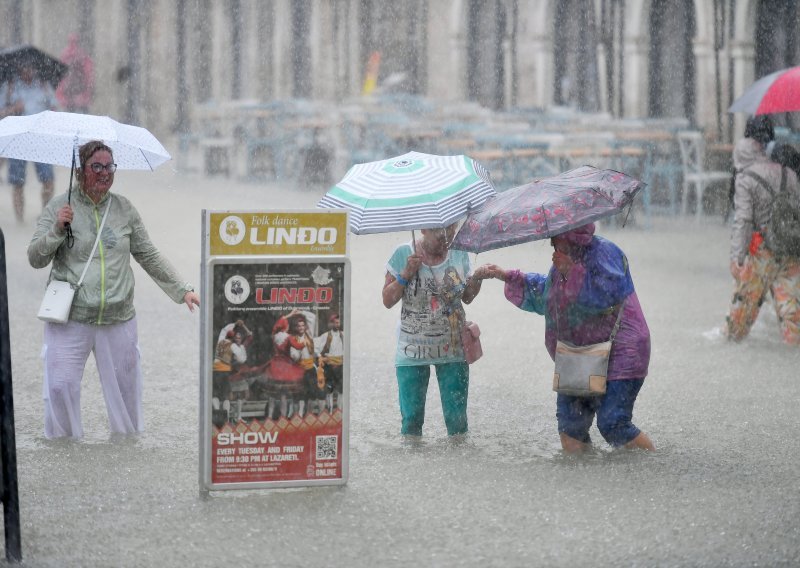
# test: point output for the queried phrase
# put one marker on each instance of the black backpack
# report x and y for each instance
(782, 232)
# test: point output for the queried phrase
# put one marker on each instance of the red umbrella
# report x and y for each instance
(777, 92)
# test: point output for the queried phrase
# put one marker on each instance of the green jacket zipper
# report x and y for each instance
(102, 268)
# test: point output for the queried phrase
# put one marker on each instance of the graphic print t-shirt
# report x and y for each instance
(432, 314)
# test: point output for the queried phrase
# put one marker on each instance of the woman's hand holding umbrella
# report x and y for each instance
(63, 219)
(412, 266)
(563, 263)
(394, 288)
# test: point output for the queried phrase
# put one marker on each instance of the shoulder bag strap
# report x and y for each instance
(94, 247)
(767, 186)
(619, 319)
(761, 181)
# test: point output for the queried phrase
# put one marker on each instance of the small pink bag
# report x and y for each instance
(471, 341)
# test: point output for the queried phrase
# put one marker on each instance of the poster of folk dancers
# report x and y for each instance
(275, 366)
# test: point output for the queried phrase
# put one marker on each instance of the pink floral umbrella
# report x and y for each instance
(777, 92)
(546, 207)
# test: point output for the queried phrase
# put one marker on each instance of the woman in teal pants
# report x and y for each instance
(432, 281)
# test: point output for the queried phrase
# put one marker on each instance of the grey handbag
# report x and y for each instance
(581, 370)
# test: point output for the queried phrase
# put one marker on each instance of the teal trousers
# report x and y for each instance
(412, 382)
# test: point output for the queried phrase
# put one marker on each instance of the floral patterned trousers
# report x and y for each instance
(763, 273)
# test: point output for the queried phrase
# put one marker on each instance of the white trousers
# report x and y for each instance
(116, 352)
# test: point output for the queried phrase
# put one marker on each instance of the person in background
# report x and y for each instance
(755, 267)
(787, 156)
(330, 358)
(417, 275)
(76, 90)
(581, 297)
(8, 108)
(28, 94)
(102, 319)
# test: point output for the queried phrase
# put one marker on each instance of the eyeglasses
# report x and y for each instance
(97, 167)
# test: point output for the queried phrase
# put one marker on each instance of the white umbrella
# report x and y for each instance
(412, 191)
(52, 137)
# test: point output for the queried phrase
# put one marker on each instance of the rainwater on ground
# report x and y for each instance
(720, 491)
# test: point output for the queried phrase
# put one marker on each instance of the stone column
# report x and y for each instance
(535, 76)
(282, 76)
(636, 59)
(743, 52)
(705, 114)
(535, 56)
(221, 71)
(447, 49)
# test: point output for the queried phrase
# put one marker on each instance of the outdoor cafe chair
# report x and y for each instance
(532, 163)
(695, 176)
(267, 144)
(662, 167)
(215, 136)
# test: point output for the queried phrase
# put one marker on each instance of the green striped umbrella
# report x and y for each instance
(412, 191)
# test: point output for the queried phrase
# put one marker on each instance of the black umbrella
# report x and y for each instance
(47, 67)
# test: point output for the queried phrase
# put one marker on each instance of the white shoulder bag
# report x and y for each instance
(58, 297)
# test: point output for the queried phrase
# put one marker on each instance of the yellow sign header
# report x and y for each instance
(278, 233)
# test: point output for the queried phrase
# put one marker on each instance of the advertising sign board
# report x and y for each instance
(275, 351)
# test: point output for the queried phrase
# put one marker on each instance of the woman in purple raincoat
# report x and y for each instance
(580, 298)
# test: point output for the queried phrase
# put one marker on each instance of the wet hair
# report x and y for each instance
(760, 128)
(295, 320)
(88, 150)
(787, 156)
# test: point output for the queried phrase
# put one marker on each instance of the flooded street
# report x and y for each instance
(720, 491)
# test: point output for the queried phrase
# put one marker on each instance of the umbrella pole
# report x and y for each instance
(70, 238)
(71, 171)
(414, 250)
(625, 220)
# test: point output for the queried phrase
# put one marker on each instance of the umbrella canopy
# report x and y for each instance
(412, 191)
(47, 67)
(546, 208)
(777, 92)
(51, 137)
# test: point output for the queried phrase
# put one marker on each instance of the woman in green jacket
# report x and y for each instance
(102, 318)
